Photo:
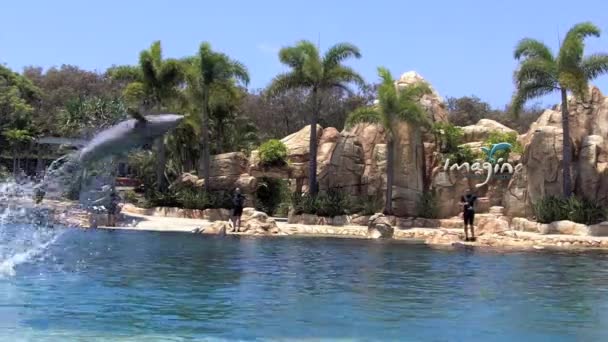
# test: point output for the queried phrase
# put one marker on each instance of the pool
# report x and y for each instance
(125, 285)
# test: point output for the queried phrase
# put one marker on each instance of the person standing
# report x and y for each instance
(238, 201)
(468, 202)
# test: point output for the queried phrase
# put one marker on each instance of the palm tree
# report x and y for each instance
(541, 73)
(394, 104)
(317, 74)
(210, 70)
(156, 88)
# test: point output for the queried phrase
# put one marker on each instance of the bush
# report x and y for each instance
(448, 137)
(328, 204)
(270, 194)
(550, 209)
(367, 205)
(4, 174)
(273, 153)
(427, 206)
(463, 154)
(131, 197)
(496, 137)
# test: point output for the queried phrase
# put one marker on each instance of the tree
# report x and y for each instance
(316, 73)
(541, 73)
(19, 98)
(155, 91)
(394, 104)
(17, 140)
(208, 71)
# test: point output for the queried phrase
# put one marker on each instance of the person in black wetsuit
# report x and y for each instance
(238, 200)
(468, 202)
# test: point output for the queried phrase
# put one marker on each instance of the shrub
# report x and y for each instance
(328, 204)
(463, 154)
(131, 197)
(496, 137)
(448, 136)
(273, 153)
(270, 194)
(332, 203)
(427, 205)
(551, 208)
(367, 205)
(4, 174)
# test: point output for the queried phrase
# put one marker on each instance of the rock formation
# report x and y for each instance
(354, 160)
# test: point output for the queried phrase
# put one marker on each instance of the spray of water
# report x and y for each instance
(25, 228)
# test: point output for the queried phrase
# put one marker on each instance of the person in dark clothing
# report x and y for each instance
(238, 200)
(114, 209)
(468, 202)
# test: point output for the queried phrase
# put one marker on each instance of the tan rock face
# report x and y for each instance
(298, 144)
(480, 131)
(345, 166)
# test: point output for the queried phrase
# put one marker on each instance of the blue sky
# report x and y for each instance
(461, 47)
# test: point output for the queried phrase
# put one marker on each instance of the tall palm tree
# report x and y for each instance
(394, 104)
(316, 73)
(208, 70)
(541, 73)
(156, 88)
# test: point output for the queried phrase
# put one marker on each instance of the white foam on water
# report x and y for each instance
(22, 238)
(7, 266)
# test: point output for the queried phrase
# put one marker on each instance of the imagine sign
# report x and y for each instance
(492, 167)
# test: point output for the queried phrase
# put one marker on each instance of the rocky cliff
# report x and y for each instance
(354, 160)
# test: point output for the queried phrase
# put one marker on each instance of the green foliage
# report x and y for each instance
(551, 209)
(273, 153)
(363, 115)
(328, 204)
(448, 136)
(463, 154)
(428, 205)
(270, 195)
(497, 137)
(541, 73)
(367, 205)
(131, 197)
(4, 174)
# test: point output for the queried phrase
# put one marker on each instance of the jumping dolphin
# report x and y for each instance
(495, 148)
(121, 138)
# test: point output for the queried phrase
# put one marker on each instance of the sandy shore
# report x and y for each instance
(438, 237)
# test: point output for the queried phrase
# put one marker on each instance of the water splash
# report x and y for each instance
(26, 230)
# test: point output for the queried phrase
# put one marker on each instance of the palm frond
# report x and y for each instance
(537, 70)
(239, 71)
(294, 56)
(287, 81)
(338, 53)
(146, 63)
(414, 92)
(532, 48)
(343, 74)
(571, 51)
(528, 91)
(412, 112)
(156, 53)
(170, 73)
(363, 115)
(595, 65)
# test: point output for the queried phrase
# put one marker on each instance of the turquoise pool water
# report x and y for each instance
(121, 285)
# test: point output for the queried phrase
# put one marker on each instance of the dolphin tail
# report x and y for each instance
(486, 150)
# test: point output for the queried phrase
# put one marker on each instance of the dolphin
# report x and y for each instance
(495, 148)
(121, 138)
